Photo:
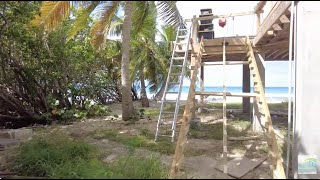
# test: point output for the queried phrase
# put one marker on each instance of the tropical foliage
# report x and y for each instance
(58, 63)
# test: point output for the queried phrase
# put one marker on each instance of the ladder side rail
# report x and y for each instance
(181, 85)
(166, 87)
(178, 155)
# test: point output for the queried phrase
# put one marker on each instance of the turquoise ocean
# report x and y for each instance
(273, 94)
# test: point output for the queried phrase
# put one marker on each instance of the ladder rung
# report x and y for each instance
(167, 117)
(177, 65)
(165, 135)
(170, 101)
(178, 58)
(174, 83)
(175, 74)
(180, 43)
(182, 37)
(172, 92)
(166, 112)
(180, 51)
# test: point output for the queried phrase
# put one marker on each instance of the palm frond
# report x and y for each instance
(116, 26)
(100, 29)
(82, 18)
(140, 13)
(51, 14)
(169, 12)
(147, 27)
(169, 33)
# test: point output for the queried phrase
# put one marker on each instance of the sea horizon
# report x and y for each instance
(273, 94)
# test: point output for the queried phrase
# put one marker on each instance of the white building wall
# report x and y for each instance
(307, 133)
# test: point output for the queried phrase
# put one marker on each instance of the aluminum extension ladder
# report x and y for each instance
(175, 78)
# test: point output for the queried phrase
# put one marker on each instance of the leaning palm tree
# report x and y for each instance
(54, 12)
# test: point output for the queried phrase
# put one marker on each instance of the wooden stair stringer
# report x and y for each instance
(274, 153)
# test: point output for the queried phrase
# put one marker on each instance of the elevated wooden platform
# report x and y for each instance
(272, 37)
(236, 51)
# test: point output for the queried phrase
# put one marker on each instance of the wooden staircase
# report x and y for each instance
(263, 111)
(260, 105)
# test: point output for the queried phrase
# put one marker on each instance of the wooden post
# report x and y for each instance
(194, 38)
(194, 29)
(246, 88)
(258, 120)
(201, 87)
(182, 139)
(258, 21)
(225, 138)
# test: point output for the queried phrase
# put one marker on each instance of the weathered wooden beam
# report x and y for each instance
(277, 27)
(280, 53)
(274, 52)
(227, 94)
(243, 138)
(260, 6)
(284, 18)
(273, 16)
(281, 34)
(225, 15)
(227, 63)
(230, 41)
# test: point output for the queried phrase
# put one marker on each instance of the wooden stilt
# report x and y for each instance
(182, 139)
(201, 87)
(225, 137)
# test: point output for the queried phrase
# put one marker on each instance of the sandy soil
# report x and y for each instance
(206, 153)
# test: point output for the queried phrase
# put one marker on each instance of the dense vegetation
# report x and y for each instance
(45, 75)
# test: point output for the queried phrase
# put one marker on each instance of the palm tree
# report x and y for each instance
(52, 13)
(168, 35)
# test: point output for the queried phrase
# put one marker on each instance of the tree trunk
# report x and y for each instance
(143, 93)
(159, 94)
(127, 104)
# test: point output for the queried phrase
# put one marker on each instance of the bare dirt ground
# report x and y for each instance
(202, 154)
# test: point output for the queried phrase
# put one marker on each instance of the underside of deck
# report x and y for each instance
(271, 40)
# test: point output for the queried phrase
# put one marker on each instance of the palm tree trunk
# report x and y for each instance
(127, 104)
(143, 93)
(159, 94)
